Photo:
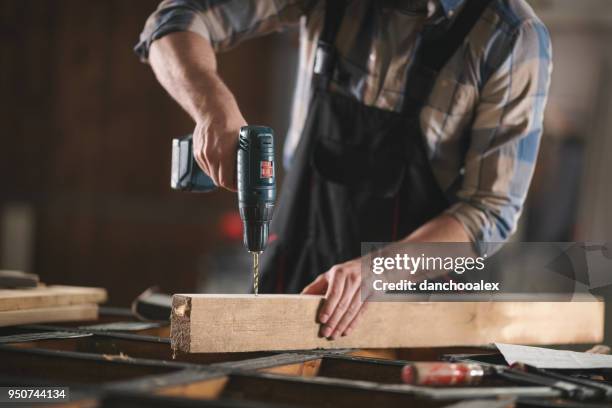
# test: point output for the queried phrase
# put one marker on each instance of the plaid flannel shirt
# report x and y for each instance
(482, 122)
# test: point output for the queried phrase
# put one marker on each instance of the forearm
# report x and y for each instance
(443, 228)
(185, 65)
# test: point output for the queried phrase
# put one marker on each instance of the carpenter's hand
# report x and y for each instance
(214, 148)
(343, 306)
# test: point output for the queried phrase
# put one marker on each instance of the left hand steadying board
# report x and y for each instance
(343, 305)
(341, 285)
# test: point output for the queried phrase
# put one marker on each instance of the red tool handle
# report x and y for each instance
(442, 374)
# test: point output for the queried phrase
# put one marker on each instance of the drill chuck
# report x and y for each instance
(256, 235)
(256, 181)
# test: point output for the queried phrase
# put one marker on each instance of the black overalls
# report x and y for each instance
(360, 174)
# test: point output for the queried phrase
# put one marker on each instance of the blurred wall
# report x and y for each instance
(85, 156)
(580, 106)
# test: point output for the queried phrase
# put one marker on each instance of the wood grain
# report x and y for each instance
(49, 314)
(231, 323)
(49, 296)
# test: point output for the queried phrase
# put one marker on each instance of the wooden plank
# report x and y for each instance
(230, 323)
(49, 314)
(50, 296)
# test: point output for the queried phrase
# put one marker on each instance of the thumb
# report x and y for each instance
(317, 287)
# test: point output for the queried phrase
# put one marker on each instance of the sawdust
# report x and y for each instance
(116, 357)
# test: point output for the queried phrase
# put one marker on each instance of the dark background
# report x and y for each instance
(86, 130)
(85, 159)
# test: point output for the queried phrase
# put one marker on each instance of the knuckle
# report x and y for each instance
(333, 322)
(327, 311)
(354, 278)
(333, 292)
(343, 305)
(353, 309)
(330, 323)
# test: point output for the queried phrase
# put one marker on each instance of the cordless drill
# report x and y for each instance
(256, 181)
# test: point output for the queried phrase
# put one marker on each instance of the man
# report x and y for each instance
(417, 121)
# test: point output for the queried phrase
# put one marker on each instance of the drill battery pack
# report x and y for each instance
(185, 174)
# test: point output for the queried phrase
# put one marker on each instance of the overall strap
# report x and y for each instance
(435, 50)
(326, 54)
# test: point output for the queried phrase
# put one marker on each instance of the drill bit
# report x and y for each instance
(256, 272)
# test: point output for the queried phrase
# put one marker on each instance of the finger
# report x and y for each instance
(211, 162)
(198, 150)
(332, 295)
(226, 175)
(198, 155)
(349, 315)
(316, 287)
(351, 286)
(356, 319)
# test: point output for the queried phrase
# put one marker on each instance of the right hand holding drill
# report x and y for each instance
(214, 146)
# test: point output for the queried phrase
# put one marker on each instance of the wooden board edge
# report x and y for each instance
(180, 323)
(71, 313)
(98, 294)
(34, 298)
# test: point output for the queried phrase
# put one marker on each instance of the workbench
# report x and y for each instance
(118, 361)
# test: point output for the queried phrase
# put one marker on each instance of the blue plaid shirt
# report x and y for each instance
(482, 122)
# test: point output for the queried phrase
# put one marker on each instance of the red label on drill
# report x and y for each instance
(267, 169)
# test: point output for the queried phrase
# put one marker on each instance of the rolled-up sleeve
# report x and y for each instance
(225, 23)
(505, 139)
